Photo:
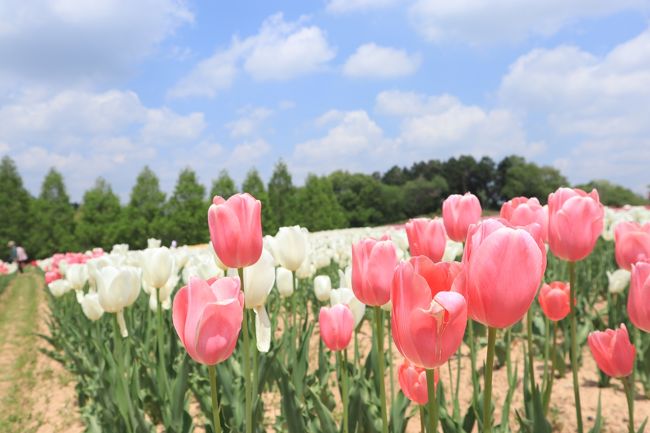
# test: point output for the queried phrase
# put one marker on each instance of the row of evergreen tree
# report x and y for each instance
(50, 222)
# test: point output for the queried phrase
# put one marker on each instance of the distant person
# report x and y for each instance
(17, 254)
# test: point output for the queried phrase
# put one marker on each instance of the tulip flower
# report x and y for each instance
(153, 243)
(157, 266)
(503, 268)
(284, 280)
(458, 213)
(346, 296)
(208, 319)
(373, 263)
(236, 229)
(77, 275)
(413, 382)
(59, 287)
(638, 301)
(322, 287)
(118, 288)
(291, 245)
(618, 280)
(522, 211)
(336, 326)
(52, 276)
(554, 300)
(258, 282)
(575, 220)
(426, 237)
(632, 243)
(91, 306)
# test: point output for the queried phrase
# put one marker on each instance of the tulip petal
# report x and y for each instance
(262, 329)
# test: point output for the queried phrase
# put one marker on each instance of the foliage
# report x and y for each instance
(15, 215)
(282, 195)
(186, 213)
(254, 185)
(614, 195)
(98, 216)
(223, 186)
(317, 207)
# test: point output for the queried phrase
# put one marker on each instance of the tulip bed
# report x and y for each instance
(305, 346)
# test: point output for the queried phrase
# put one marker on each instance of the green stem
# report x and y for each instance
(356, 347)
(433, 404)
(422, 426)
(547, 348)
(390, 365)
(549, 385)
(215, 399)
(531, 357)
(379, 333)
(574, 345)
(344, 389)
(247, 366)
(472, 358)
(161, 345)
(628, 385)
(487, 393)
(119, 361)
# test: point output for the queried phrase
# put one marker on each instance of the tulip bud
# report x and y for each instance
(77, 275)
(91, 306)
(346, 296)
(632, 243)
(59, 287)
(554, 298)
(413, 382)
(522, 211)
(284, 281)
(426, 237)
(117, 289)
(458, 213)
(291, 245)
(336, 326)
(157, 266)
(153, 243)
(613, 351)
(258, 282)
(373, 263)
(638, 301)
(322, 287)
(618, 280)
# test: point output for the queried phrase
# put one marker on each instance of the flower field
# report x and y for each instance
(516, 322)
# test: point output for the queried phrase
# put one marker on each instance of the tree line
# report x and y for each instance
(50, 222)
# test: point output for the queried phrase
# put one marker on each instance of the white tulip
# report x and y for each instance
(284, 280)
(322, 287)
(306, 270)
(618, 280)
(157, 266)
(181, 256)
(59, 287)
(291, 246)
(93, 266)
(91, 307)
(453, 249)
(120, 249)
(269, 245)
(77, 275)
(63, 267)
(216, 258)
(153, 243)
(346, 296)
(258, 280)
(117, 289)
(345, 277)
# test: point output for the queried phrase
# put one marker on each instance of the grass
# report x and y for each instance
(18, 321)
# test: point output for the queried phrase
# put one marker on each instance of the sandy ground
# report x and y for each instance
(36, 393)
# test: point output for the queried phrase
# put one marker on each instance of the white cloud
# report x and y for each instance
(374, 61)
(248, 153)
(345, 6)
(600, 103)
(479, 21)
(249, 121)
(68, 41)
(281, 50)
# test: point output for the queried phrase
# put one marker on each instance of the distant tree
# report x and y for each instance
(53, 229)
(427, 170)
(281, 195)
(254, 185)
(612, 194)
(223, 186)
(98, 217)
(422, 197)
(529, 180)
(186, 219)
(361, 197)
(394, 176)
(318, 208)
(142, 217)
(15, 204)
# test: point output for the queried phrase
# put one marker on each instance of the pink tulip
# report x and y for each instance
(413, 382)
(440, 276)
(458, 213)
(575, 220)
(638, 301)
(427, 328)
(52, 276)
(426, 237)
(502, 269)
(522, 211)
(613, 351)
(632, 243)
(208, 318)
(373, 263)
(336, 326)
(554, 300)
(236, 229)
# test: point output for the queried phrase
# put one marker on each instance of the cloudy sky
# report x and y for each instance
(102, 88)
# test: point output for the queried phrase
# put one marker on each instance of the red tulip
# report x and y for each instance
(632, 242)
(638, 301)
(554, 300)
(575, 220)
(613, 351)
(336, 326)
(208, 318)
(373, 263)
(413, 382)
(458, 213)
(428, 325)
(236, 229)
(522, 211)
(426, 237)
(502, 269)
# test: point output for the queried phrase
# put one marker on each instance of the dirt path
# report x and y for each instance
(36, 393)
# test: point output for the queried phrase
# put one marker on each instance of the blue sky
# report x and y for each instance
(102, 88)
